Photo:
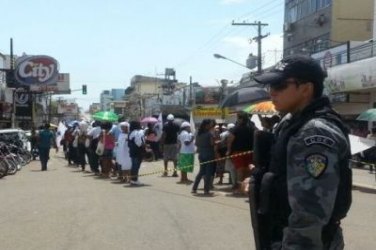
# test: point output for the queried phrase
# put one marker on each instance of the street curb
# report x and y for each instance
(364, 187)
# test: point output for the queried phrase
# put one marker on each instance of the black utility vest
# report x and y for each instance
(280, 209)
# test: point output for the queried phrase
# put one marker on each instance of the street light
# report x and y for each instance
(218, 56)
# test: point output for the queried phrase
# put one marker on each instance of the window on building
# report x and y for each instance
(312, 6)
(323, 3)
(296, 10)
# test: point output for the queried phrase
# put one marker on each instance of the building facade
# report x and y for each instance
(105, 100)
(148, 96)
(118, 94)
(314, 25)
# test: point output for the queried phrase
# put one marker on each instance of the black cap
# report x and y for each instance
(298, 66)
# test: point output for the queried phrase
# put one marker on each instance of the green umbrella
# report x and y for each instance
(106, 116)
(368, 115)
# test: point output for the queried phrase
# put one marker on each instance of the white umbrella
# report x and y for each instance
(359, 144)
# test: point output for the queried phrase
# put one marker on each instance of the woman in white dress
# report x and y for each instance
(122, 153)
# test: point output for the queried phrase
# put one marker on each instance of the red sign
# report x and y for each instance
(37, 70)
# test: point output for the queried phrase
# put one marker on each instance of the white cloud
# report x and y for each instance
(228, 2)
(237, 41)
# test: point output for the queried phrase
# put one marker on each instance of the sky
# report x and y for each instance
(103, 44)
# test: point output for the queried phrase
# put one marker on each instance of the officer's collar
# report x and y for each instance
(315, 105)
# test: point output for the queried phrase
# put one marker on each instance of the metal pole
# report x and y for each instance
(190, 91)
(14, 109)
(49, 108)
(348, 52)
(259, 63)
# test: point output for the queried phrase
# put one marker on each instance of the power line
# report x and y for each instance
(258, 38)
(216, 37)
(259, 9)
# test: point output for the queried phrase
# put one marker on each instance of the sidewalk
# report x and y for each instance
(363, 179)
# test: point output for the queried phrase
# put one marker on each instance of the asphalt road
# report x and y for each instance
(64, 208)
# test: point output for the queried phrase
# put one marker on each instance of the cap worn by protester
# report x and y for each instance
(301, 67)
(124, 124)
(185, 125)
(170, 117)
(230, 125)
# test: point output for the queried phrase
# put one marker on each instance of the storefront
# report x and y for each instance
(352, 87)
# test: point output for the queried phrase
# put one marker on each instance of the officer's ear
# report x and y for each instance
(307, 89)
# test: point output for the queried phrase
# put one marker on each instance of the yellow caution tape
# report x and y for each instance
(190, 166)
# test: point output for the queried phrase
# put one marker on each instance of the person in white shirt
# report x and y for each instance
(228, 162)
(186, 153)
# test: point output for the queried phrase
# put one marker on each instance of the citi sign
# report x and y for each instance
(37, 70)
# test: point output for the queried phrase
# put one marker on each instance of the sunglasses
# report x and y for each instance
(282, 86)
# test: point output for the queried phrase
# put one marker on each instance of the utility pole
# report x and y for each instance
(13, 122)
(190, 91)
(258, 38)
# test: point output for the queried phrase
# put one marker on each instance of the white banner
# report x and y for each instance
(67, 108)
(352, 76)
(359, 144)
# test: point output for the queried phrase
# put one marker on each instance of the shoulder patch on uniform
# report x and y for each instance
(319, 139)
(315, 164)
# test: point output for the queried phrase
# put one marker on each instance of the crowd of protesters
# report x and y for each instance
(111, 150)
(117, 151)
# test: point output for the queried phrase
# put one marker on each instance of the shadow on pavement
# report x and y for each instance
(365, 190)
(136, 186)
(39, 170)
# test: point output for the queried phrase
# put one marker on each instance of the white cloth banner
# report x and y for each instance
(192, 123)
(60, 133)
(158, 127)
(359, 144)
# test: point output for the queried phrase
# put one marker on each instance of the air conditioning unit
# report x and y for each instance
(287, 27)
(320, 19)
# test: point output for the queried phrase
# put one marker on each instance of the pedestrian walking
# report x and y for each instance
(187, 152)
(69, 139)
(239, 144)
(370, 154)
(309, 176)
(206, 149)
(152, 140)
(169, 142)
(93, 136)
(45, 139)
(82, 150)
(108, 141)
(123, 158)
(136, 143)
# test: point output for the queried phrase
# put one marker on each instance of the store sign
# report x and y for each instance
(210, 112)
(208, 95)
(62, 86)
(67, 108)
(24, 106)
(36, 70)
(354, 76)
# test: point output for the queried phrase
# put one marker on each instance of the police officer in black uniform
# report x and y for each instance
(308, 178)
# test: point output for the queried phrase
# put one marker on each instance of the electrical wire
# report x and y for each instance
(222, 33)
